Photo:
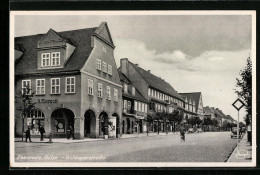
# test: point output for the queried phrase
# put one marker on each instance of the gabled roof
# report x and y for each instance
(138, 96)
(231, 118)
(156, 82)
(195, 96)
(81, 39)
(208, 110)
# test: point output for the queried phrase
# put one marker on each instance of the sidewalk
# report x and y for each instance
(244, 153)
(64, 140)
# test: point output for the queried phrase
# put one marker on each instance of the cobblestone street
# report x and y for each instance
(199, 147)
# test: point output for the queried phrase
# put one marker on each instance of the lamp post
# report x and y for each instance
(238, 104)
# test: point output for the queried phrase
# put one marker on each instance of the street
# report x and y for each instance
(198, 147)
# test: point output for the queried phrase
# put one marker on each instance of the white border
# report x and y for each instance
(133, 164)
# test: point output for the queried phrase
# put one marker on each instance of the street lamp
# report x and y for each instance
(238, 104)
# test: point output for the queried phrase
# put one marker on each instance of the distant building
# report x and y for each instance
(162, 97)
(76, 82)
(195, 104)
(135, 108)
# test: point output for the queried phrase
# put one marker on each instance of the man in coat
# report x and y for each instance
(42, 131)
(28, 135)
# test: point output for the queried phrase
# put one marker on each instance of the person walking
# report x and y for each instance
(28, 135)
(42, 131)
(70, 132)
(182, 133)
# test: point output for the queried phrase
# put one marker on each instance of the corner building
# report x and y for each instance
(75, 78)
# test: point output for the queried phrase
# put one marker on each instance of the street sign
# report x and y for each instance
(238, 104)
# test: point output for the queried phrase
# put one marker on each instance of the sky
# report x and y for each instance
(194, 53)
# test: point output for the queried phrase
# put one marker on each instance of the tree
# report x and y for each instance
(24, 99)
(214, 122)
(245, 89)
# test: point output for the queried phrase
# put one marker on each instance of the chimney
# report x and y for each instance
(137, 65)
(124, 64)
(149, 71)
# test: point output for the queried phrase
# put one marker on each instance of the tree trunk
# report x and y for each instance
(22, 127)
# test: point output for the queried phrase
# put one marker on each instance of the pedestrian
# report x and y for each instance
(182, 133)
(70, 132)
(42, 131)
(28, 135)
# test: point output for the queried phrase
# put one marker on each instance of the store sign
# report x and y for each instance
(47, 101)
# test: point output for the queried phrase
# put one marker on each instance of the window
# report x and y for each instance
(135, 107)
(108, 93)
(98, 64)
(70, 85)
(40, 86)
(145, 108)
(109, 70)
(149, 92)
(125, 105)
(128, 106)
(26, 83)
(104, 49)
(152, 92)
(55, 57)
(133, 90)
(100, 90)
(90, 87)
(45, 59)
(115, 94)
(37, 120)
(104, 67)
(55, 85)
(125, 87)
(140, 107)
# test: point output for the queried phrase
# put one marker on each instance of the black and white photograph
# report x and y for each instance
(132, 88)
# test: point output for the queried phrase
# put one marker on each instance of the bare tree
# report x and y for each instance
(24, 99)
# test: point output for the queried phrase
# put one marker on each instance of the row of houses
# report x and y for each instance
(78, 84)
(219, 115)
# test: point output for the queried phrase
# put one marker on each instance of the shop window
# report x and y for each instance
(26, 83)
(40, 86)
(35, 120)
(70, 85)
(59, 122)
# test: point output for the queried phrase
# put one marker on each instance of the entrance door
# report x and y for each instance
(141, 126)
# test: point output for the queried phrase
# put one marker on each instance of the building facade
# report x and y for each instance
(75, 78)
(135, 108)
(161, 96)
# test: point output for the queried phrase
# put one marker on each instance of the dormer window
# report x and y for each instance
(48, 61)
(133, 90)
(45, 59)
(55, 57)
(125, 88)
(53, 51)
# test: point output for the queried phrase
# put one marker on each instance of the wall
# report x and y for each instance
(69, 101)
